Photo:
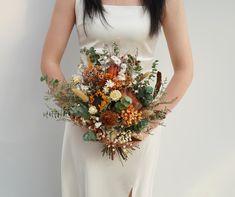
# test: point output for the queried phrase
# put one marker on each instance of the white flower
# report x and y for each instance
(105, 89)
(121, 76)
(99, 50)
(92, 109)
(84, 87)
(123, 66)
(116, 59)
(98, 124)
(109, 83)
(115, 95)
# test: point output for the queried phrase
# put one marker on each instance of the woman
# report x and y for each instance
(85, 173)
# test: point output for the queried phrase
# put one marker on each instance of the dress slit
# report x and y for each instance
(130, 193)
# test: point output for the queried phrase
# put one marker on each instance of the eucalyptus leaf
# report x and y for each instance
(126, 101)
(149, 89)
(145, 95)
(119, 106)
(140, 125)
(81, 110)
(89, 136)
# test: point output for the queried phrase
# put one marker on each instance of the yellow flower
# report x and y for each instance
(80, 94)
(101, 97)
(115, 95)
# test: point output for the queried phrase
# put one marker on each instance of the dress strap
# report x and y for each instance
(79, 11)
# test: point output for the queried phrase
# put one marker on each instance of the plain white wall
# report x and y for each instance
(197, 155)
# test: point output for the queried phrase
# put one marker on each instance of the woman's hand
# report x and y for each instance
(142, 135)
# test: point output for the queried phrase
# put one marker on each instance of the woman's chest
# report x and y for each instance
(126, 22)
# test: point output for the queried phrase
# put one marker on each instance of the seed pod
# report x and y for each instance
(158, 84)
(144, 75)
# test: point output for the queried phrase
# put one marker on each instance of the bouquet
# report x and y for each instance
(111, 97)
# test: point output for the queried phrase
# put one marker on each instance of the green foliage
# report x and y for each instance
(116, 49)
(58, 114)
(92, 54)
(154, 70)
(119, 106)
(139, 126)
(80, 110)
(89, 136)
(53, 82)
(137, 68)
(43, 78)
(123, 103)
(126, 101)
(145, 95)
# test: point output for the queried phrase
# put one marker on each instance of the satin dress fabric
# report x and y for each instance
(84, 171)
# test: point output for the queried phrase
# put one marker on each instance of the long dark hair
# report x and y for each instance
(154, 7)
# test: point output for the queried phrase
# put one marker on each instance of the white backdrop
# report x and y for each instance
(197, 155)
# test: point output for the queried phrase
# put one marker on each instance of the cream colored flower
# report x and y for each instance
(115, 95)
(92, 110)
(76, 79)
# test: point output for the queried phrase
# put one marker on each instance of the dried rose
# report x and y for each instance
(109, 118)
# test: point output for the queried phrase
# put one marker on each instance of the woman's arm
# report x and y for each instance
(60, 28)
(175, 29)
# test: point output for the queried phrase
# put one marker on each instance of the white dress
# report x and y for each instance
(84, 171)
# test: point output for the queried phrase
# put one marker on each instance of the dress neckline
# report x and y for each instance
(122, 6)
